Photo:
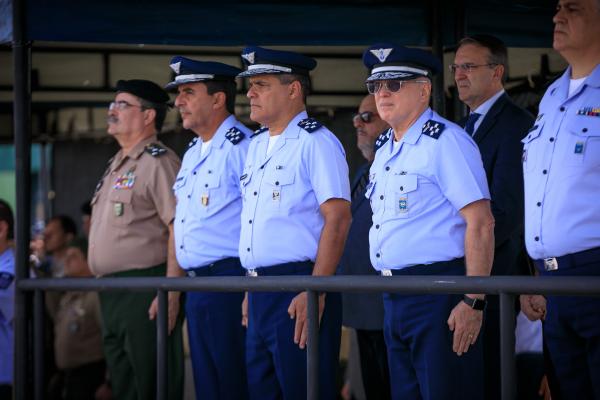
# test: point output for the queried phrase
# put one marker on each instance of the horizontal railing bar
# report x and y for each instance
(565, 285)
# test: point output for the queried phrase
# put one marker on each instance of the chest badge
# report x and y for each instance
(589, 111)
(579, 147)
(125, 181)
(403, 204)
(204, 200)
(276, 195)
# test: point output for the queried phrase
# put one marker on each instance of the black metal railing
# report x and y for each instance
(506, 287)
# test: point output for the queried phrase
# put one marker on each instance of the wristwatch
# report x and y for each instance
(475, 304)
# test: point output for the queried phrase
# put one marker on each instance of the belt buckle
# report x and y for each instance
(252, 273)
(191, 274)
(550, 264)
(386, 272)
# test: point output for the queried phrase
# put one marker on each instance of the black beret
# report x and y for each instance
(144, 89)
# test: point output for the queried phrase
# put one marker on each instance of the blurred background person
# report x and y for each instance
(49, 252)
(78, 332)
(7, 291)
(364, 311)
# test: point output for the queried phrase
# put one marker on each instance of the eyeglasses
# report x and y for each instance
(122, 105)
(392, 86)
(468, 68)
(365, 116)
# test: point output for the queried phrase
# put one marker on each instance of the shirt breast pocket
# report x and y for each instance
(531, 139)
(405, 195)
(281, 186)
(583, 147)
(121, 213)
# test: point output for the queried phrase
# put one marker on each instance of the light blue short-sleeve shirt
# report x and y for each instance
(282, 192)
(417, 187)
(561, 169)
(209, 203)
(7, 304)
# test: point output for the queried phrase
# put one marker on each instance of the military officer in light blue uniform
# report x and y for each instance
(295, 218)
(431, 216)
(7, 301)
(207, 222)
(561, 167)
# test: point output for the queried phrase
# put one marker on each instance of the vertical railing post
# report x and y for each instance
(507, 347)
(162, 335)
(38, 345)
(312, 352)
(22, 133)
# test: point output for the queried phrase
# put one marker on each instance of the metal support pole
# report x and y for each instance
(38, 345)
(312, 351)
(438, 96)
(460, 29)
(22, 134)
(507, 347)
(162, 335)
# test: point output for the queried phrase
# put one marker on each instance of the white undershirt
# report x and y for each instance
(205, 146)
(272, 141)
(574, 84)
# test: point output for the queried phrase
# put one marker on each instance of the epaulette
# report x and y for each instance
(383, 138)
(433, 129)
(192, 142)
(234, 135)
(259, 131)
(309, 124)
(155, 149)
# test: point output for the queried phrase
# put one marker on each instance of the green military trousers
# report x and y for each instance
(130, 342)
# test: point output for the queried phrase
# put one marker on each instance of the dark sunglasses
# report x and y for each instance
(365, 116)
(391, 85)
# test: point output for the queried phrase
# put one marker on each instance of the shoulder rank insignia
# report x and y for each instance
(433, 129)
(259, 131)
(155, 149)
(309, 124)
(383, 138)
(234, 135)
(193, 142)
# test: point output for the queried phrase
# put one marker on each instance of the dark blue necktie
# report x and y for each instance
(470, 124)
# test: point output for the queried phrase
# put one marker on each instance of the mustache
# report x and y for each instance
(111, 119)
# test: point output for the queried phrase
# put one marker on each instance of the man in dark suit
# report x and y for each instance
(364, 311)
(497, 125)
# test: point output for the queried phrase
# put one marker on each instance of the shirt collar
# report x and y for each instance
(593, 79)
(484, 108)
(289, 131)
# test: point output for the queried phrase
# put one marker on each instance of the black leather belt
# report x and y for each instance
(568, 260)
(211, 269)
(291, 268)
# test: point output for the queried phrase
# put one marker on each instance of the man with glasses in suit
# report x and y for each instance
(497, 125)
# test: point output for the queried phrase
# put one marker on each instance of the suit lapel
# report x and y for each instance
(490, 119)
